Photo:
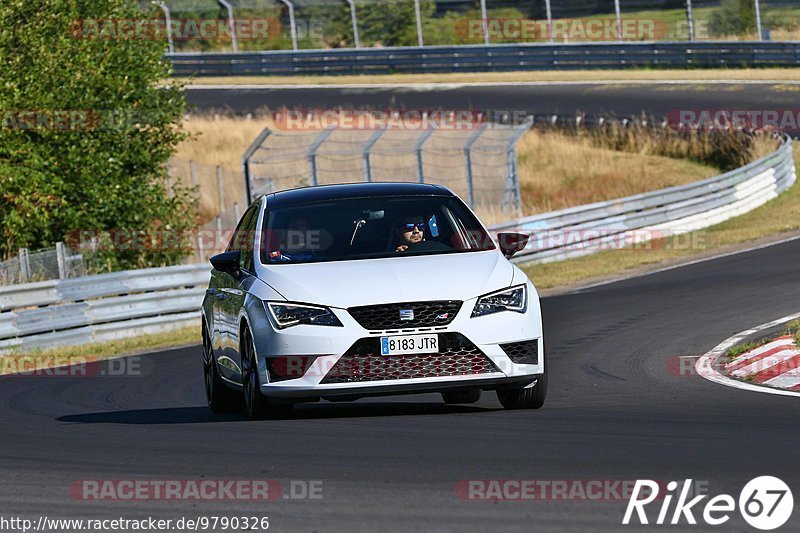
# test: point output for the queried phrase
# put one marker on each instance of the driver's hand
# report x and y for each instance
(401, 248)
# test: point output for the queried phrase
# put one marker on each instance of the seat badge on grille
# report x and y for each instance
(406, 314)
(443, 316)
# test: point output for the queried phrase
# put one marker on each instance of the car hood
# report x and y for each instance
(404, 279)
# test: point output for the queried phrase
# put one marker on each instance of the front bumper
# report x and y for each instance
(320, 348)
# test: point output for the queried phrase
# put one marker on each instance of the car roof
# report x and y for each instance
(353, 190)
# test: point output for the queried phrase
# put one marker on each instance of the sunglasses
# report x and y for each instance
(409, 226)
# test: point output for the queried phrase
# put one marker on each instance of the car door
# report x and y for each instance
(230, 297)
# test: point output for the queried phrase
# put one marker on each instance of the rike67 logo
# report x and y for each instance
(765, 503)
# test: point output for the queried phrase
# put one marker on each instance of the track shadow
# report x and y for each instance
(323, 410)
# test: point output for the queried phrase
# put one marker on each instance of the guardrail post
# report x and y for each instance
(61, 260)
(366, 153)
(24, 264)
(468, 162)
(312, 153)
(418, 152)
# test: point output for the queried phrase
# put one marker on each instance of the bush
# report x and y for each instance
(106, 170)
(733, 17)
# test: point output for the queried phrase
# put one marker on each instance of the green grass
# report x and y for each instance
(68, 355)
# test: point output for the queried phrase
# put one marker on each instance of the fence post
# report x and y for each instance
(312, 153)
(512, 180)
(419, 23)
(220, 189)
(468, 162)
(690, 19)
(758, 20)
(192, 174)
(292, 25)
(236, 212)
(619, 20)
(354, 19)
(248, 154)
(168, 21)
(549, 20)
(484, 23)
(24, 264)
(366, 153)
(418, 151)
(61, 260)
(231, 24)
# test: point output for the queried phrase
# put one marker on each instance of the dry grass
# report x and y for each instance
(779, 216)
(767, 74)
(33, 360)
(559, 171)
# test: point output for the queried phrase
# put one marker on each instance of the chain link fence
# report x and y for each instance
(57, 262)
(478, 162)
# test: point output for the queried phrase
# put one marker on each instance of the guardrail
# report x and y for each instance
(589, 228)
(499, 57)
(100, 308)
(123, 304)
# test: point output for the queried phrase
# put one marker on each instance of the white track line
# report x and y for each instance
(455, 85)
(706, 365)
(787, 379)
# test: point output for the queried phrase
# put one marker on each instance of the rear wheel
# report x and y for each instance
(530, 398)
(462, 396)
(256, 404)
(220, 398)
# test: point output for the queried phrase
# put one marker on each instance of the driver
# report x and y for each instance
(410, 232)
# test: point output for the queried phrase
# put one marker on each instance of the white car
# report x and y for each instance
(344, 291)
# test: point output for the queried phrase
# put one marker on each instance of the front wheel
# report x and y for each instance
(256, 404)
(220, 398)
(530, 398)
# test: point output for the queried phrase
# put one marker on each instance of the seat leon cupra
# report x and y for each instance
(345, 291)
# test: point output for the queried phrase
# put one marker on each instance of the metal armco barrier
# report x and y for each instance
(591, 228)
(500, 57)
(124, 304)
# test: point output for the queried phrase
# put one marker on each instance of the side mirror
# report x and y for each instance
(511, 243)
(227, 262)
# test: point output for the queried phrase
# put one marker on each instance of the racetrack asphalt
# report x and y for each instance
(620, 99)
(616, 411)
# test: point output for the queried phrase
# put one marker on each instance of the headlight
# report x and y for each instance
(287, 315)
(513, 299)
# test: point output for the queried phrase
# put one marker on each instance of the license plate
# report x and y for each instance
(404, 344)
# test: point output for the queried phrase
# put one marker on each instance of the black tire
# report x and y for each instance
(220, 398)
(257, 406)
(531, 398)
(462, 396)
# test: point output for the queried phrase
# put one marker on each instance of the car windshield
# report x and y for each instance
(369, 228)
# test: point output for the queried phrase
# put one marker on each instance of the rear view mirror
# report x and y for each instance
(227, 262)
(511, 243)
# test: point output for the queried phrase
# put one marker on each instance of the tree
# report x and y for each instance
(733, 17)
(86, 128)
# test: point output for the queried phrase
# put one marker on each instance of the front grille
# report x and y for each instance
(387, 316)
(523, 353)
(363, 362)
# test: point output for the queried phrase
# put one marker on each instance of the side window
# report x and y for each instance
(249, 240)
(242, 239)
